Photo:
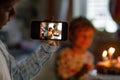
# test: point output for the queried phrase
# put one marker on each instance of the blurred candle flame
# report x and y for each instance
(111, 51)
(104, 54)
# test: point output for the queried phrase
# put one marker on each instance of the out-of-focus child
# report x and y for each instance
(76, 61)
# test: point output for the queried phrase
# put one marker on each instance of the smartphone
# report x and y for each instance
(44, 30)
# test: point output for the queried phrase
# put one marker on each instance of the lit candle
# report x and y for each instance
(104, 55)
(111, 51)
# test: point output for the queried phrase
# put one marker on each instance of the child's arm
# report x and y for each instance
(83, 72)
(88, 66)
(29, 68)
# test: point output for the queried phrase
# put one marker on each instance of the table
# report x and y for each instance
(94, 74)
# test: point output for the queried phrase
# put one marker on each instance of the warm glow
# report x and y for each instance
(118, 59)
(111, 50)
(104, 53)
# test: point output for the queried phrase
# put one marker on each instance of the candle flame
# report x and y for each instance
(111, 50)
(104, 53)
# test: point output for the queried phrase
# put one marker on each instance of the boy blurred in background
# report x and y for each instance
(76, 61)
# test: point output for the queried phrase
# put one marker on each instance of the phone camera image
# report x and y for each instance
(50, 30)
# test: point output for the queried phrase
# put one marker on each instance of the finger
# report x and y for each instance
(49, 19)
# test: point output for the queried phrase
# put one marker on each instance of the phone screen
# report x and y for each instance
(49, 30)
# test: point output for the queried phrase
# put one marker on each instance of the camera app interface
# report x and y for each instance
(50, 30)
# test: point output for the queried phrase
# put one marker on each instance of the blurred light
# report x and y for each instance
(60, 26)
(99, 24)
(111, 50)
(111, 27)
(51, 25)
(104, 53)
(98, 13)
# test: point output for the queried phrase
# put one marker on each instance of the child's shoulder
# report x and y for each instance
(88, 53)
(89, 57)
(66, 50)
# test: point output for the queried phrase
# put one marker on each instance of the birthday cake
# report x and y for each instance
(108, 67)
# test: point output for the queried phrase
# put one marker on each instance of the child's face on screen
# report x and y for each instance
(83, 38)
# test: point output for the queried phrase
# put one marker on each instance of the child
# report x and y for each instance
(75, 61)
(49, 33)
(28, 68)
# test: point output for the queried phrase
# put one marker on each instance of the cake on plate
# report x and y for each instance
(108, 67)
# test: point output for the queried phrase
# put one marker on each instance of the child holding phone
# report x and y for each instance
(28, 68)
(76, 61)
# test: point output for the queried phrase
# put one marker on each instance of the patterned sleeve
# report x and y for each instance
(69, 64)
(64, 64)
(61, 63)
(29, 68)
